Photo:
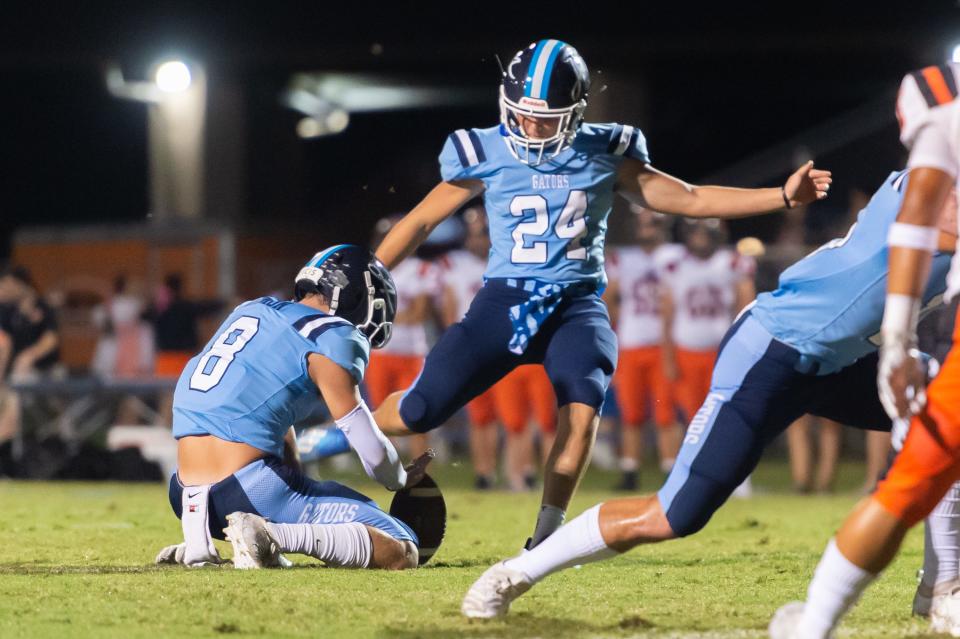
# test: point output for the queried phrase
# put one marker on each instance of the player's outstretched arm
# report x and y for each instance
(642, 184)
(440, 203)
(339, 390)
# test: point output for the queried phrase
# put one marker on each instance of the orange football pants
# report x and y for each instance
(929, 462)
(526, 391)
(695, 370)
(482, 410)
(171, 363)
(640, 383)
(388, 373)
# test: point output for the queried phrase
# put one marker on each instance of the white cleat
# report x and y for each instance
(785, 621)
(253, 545)
(491, 595)
(945, 608)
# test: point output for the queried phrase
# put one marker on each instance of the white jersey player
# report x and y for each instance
(633, 296)
(703, 290)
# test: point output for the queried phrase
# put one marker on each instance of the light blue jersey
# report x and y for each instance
(250, 382)
(547, 222)
(829, 305)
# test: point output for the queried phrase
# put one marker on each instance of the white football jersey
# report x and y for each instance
(637, 274)
(704, 296)
(414, 277)
(462, 273)
(929, 116)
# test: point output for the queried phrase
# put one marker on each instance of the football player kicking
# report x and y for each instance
(548, 181)
(267, 368)
(929, 462)
(794, 351)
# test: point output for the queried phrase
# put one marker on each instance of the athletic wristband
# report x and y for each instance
(900, 315)
(786, 200)
(913, 236)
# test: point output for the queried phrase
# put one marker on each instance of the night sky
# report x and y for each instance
(717, 83)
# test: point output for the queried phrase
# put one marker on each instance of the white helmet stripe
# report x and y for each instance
(541, 67)
(468, 148)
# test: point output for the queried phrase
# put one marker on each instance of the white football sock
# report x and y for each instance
(338, 545)
(579, 542)
(836, 586)
(941, 538)
(549, 519)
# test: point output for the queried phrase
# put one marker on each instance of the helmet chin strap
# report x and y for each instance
(335, 300)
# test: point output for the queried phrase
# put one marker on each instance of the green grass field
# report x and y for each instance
(76, 561)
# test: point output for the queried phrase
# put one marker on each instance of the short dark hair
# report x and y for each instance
(174, 282)
(19, 273)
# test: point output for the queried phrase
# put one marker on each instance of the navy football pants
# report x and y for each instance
(756, 392)
(576, 346)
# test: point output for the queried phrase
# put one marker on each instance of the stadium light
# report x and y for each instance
(173, 76)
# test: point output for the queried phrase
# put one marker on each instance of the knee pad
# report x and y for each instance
(417, 414)
(581, 390)
(693, 506)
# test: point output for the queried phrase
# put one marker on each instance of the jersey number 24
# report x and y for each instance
(571, 225)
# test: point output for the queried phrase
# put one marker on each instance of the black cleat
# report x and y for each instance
(482, 482)
(630, 481)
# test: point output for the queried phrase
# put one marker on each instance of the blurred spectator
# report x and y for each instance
(800, 436)
(174, 322)
(175, 334)
(31, 325)
(125, 347)
(29, 343)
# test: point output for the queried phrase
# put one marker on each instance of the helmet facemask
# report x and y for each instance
(534, 151)
(377, 326)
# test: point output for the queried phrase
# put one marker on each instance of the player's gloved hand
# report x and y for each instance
(807, 185)
(418, 468)
(898, 433)
(902, 377)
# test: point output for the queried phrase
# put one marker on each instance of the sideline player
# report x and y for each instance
(929, 462)
(633, 297)
(794, 351)
(548, 181)
(267, 367)
(461, 275)
(524, 395)
(704, 288)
